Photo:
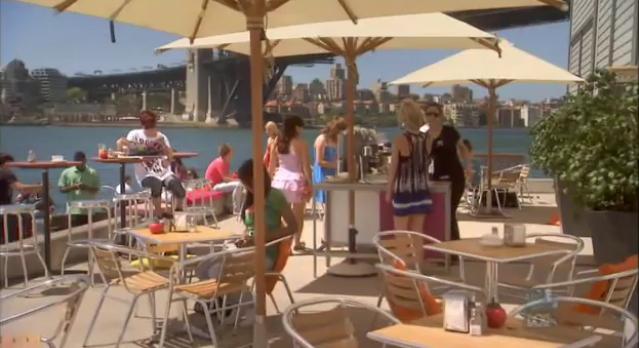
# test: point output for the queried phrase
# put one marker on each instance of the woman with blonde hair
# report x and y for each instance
(408, 172)
(326, 155)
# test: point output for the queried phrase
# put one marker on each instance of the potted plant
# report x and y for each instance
(590, 145)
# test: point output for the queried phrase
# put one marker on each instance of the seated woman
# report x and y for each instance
(276, 210)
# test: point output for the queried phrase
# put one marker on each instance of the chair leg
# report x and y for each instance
(25, 271)
(288, 289)
(239, 307)
(95, 314)
(64, 259)
(187, 321)
(379, 300)
(6, 272)
(126, 321)
(167, 311)
(209, 322)
(277, 309)
(153, 314)
(44, 266)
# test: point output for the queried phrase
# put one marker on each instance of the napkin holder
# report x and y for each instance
(515, 235)
(456, 310)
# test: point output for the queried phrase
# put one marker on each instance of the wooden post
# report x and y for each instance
(490, 116)
(350, 139)
(255, 24)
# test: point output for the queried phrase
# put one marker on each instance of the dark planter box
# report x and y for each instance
(573, 216)
(614, 235)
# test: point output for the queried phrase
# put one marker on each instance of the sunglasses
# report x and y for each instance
(434, 114)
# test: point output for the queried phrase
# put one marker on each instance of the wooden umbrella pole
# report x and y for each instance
(492, 103)
(255, 24)
(350, 140)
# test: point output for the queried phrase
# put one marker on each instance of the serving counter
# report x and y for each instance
(373, 214)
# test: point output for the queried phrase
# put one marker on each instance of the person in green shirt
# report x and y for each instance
(277, 210)
(80, 182)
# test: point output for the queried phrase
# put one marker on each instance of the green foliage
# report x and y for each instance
(591, 144)
(76, 95)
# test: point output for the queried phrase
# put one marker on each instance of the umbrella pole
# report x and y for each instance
(492, 101)
(350, 140)
(255, 25)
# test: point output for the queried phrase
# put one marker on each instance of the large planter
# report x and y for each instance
(573, 216)
(614, 235)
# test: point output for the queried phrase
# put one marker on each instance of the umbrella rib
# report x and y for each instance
(232, 4)
(490, 44)
(371, 44)
(273, 5)
(348, 10)
(198, 22)
(116, 13)
(62, 6)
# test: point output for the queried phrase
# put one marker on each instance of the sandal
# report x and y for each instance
(301, 246)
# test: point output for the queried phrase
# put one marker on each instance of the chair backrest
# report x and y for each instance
(108, 262)
(549, 266)
(330, 328)
(404, 246)
(76, 287)
(17, 213)
(238, 266)
(524, 173)
(630, 334)
(621, 288)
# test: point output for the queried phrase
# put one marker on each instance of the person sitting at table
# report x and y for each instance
(408, 171)
(219, 174)
(8, 184)
(79, 183)
(155, 172)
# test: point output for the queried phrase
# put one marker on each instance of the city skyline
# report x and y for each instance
(76, 43)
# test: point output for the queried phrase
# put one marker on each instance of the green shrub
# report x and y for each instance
(591, 144)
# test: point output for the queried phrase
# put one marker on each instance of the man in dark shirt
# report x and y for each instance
(9, 182)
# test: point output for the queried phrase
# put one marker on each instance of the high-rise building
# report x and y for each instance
(461, 94)
(53, 85)
(462, 114)
(285, 86)
(335, 89)
(403, 91)
(603, 33)
(300, 93)
(337, 72)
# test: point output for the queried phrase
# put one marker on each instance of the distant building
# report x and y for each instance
(18, 88)
(461, 94)
(403, 91)
(462, 115)
(509, 116)
(603, 34)
(53, 85)
(316, 90)
(301, 93)
(365, 94)
(445, 98)
(337, 72)
(531, 114)
(285, 86)
(335, 89)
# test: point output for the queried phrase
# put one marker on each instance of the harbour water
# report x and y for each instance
(57, 140)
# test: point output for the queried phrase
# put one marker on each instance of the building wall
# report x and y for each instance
(603, 33)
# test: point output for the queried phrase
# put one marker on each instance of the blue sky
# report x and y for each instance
(74, 43)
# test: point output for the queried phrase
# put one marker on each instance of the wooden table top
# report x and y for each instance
(119, 160)
(428, 332)
(185, 154)
(202, 234)
(471, 247)
(43, 164)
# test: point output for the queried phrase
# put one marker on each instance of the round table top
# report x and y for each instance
(119, 160)
(185, 154)
(43, 164)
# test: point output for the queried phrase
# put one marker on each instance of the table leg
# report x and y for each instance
(122, 191)
(47, 219)
(314, 238)
(492, 281)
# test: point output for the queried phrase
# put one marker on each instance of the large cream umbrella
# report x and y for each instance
(201, 18)
(349, 40)
(491, 72)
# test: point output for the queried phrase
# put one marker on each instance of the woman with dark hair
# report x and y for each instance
(326, 155)
(293, 175)
(445, 147)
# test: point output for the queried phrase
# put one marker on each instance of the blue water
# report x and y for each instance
(58, 140)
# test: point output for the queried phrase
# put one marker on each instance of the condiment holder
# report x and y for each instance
(515, 235)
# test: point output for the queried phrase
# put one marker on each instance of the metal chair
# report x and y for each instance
(22, 246)
(522, 184)
(235, 268)
(627, 331)
(403, 287)
(544, 269)
(138, 283)
(204, 208)
(407, 247)
(328, 328)
(90, 206)
(77, 286)
(277, 275)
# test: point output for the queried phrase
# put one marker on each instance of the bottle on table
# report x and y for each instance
(31, 157)
(475, 322)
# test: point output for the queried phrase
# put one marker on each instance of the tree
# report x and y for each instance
(76, 95)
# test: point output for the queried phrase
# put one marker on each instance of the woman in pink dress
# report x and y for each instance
(293, 175)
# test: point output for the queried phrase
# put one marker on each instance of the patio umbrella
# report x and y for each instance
(200, 18)
(491, 72)
(349, 40)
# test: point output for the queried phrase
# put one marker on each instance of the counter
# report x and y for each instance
(374, 214)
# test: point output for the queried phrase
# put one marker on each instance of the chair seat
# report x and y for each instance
(85, 243)
(144, 281)
(519, 283)
(15, 250)
(209, 288)
(21, 341)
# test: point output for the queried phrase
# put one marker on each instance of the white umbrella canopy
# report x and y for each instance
(491, 72)
(201, 18)
(415, 31)
(514, 65)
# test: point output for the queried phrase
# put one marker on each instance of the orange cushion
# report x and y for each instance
(599, 289)
(429, 302)
(284, 251)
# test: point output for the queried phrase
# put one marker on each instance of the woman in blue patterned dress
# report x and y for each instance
(326, 155)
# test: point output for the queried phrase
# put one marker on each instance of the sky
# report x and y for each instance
(75, 43)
